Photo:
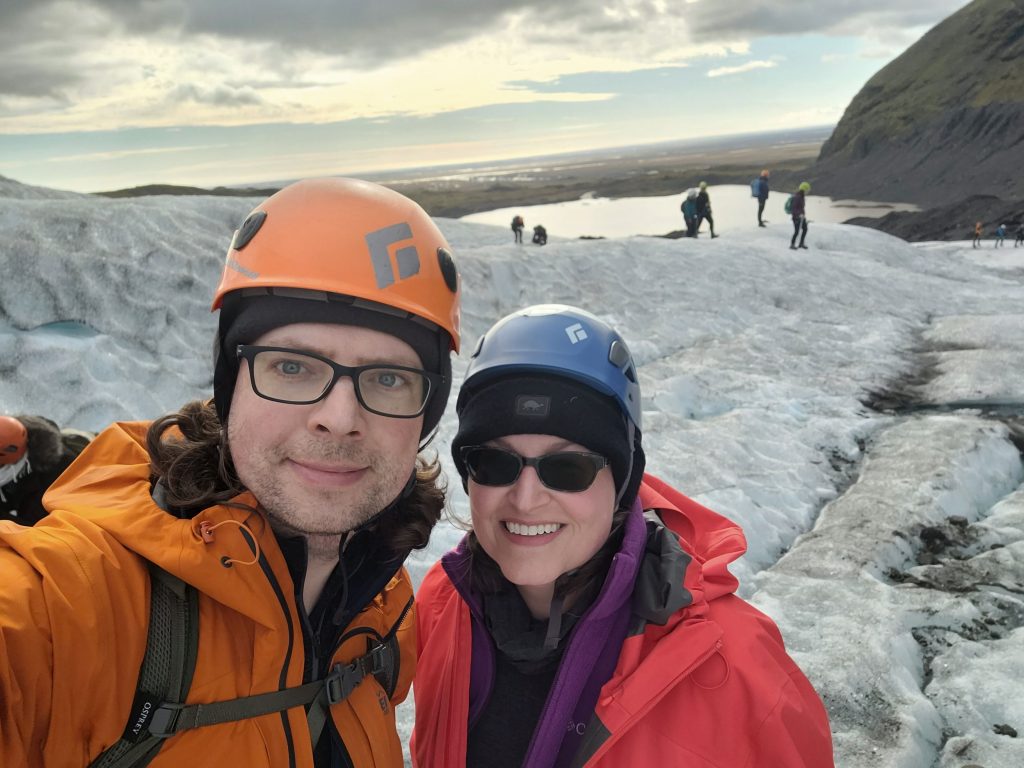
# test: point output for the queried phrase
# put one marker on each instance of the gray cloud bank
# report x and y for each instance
(42, 40)
(755, 18)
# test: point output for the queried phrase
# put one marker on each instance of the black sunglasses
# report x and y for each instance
(567, 471)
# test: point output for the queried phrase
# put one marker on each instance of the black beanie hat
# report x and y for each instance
(244, 318)
(551, 405)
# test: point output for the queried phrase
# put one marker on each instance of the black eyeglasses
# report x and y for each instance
(567, 471)
(290, 376)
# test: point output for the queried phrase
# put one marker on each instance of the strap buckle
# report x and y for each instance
(378, 659)
(345, 678)
(342, 680)
(164, 721)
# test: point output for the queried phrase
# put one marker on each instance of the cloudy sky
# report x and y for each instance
(104, 94)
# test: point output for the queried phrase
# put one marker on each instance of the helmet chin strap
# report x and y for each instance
(631, 436)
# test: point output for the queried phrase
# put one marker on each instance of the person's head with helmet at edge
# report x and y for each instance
(34, 451)
(13, 442)
(14, 461)
(564, 586)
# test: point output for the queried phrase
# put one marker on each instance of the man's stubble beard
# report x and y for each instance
(332, 513)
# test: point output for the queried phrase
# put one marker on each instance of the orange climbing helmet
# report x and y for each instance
(13, 440)
(347, 237)
(341, 251)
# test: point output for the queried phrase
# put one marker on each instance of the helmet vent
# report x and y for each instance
(248, 230)
(448, 270)
(618, 355)
(479, 346)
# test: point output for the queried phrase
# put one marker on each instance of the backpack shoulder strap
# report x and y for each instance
(380, 660)
(159, 711)
(166, 672)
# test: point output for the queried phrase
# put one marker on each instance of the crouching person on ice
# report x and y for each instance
(588, 618)
(224, 587)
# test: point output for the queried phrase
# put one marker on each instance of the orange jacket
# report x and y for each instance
(74, 615)
(712, 688)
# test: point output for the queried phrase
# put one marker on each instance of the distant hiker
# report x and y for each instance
(704, 208)
(1020, 236)
(33, 453)
(689, 209)
(759, 188)
(1000, 236)
(977, 235)
(798, 210)
(517, 227)
(540, 235)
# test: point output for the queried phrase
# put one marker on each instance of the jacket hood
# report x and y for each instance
(684, 569)
(712, 540)
(106, 492)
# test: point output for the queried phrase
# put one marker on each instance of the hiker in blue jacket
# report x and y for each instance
(689, 209)
(762, 197)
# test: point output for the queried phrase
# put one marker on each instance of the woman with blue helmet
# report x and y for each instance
(568, 628)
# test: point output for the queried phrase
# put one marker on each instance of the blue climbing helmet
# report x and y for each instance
(557, 339)
(555, 342)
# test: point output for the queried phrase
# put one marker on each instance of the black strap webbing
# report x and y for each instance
(166, 671)
(159, 711)
(170, 719)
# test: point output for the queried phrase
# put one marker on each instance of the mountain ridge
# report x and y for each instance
(943, 119)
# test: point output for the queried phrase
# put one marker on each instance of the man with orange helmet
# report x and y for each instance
(33, 453)
(287, 504)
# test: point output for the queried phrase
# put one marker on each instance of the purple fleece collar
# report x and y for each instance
(590, 656)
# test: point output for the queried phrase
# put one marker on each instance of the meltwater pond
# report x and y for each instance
(731, 205)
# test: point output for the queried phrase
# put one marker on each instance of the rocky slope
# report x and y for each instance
(942, 121)
(951, 222)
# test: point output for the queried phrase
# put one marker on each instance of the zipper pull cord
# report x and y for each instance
(206, 529)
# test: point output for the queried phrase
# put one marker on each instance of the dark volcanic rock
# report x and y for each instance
(943, 120)
(951, 222)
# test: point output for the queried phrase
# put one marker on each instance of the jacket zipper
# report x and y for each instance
(283, 603)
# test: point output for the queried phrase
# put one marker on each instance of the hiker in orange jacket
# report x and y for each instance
(288, 502)
(589, 617)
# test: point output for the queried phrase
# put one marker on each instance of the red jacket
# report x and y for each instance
(713, 687)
